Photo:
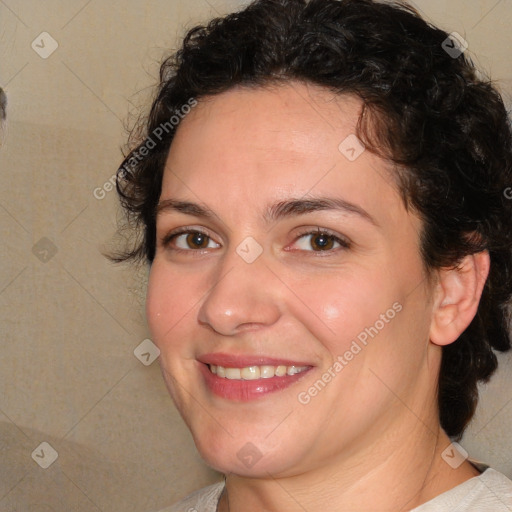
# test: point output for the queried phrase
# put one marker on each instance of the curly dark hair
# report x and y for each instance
(426, 110)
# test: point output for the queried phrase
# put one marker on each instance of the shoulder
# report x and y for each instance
(203, 500)
(489, 492)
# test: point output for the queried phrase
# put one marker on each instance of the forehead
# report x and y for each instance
(288, 120)
(250, 146)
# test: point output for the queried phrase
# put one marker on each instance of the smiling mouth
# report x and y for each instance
(240, 383)
(256, 372)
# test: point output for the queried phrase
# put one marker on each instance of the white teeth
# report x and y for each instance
(250, 373)
(281, 371)
(292, 370)
(233, 373)
(256, 372)
(266, 372)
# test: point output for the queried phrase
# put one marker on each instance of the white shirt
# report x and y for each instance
(491, 491)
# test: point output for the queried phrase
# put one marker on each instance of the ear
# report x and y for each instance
(457, 295)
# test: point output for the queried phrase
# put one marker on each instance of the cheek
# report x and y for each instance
(155, 303)
(169, 299)
(337, 306)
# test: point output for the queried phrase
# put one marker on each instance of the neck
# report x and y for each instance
(398, 474)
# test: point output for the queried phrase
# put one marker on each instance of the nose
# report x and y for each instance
(244, 296)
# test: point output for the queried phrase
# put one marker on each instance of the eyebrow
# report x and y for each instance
(277, 211)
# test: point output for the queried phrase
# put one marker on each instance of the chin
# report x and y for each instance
(246, 455)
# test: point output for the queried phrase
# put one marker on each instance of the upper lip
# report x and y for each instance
(242, 361)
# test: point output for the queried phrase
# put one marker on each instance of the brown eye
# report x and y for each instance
(197, 240)
(321, 241)
(188, 240)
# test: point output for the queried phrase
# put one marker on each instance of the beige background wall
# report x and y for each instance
(70, 320)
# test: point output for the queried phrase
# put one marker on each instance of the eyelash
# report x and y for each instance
(343, 242)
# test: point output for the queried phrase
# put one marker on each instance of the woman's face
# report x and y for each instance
(306, 258)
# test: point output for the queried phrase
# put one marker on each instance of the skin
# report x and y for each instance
(370, 439)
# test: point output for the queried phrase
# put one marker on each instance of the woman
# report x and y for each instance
(320, 188)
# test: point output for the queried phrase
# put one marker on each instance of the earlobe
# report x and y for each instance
(458, 293)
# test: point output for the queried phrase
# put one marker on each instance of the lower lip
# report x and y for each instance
(246, 390)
